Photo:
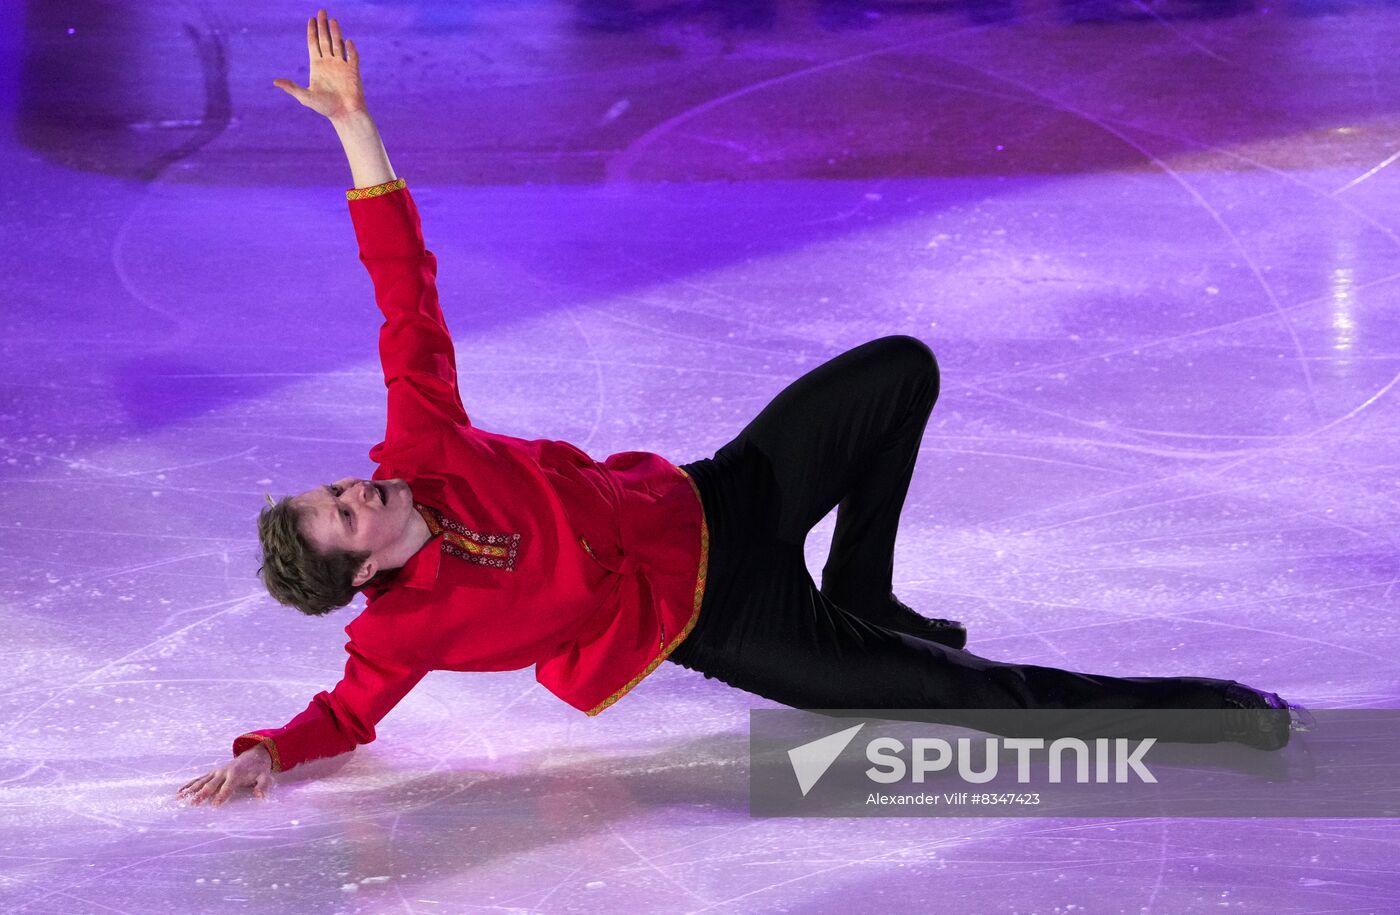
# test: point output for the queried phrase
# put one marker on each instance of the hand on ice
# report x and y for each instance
(250, 769)
(335, 88)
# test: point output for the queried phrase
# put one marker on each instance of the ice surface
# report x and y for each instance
(1153, 245)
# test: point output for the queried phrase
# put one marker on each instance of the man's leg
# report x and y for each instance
(860, 563)
(780, 638)
(766, 628)
(847, 433)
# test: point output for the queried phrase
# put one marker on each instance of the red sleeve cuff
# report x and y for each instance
(378, 190)
(246, 742)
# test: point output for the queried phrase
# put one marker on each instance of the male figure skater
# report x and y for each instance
(481, 551)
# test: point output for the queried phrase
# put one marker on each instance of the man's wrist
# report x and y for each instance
(353, 119)
(260, 751)
(369, 163)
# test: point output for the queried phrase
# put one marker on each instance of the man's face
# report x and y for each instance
(357, 516)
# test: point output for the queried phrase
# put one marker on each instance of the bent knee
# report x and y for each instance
(914, 355)
(909, 348)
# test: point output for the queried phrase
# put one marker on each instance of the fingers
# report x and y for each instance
(191, 785)
(219, 786)
(352, 54)
(206, 785)
(323, 33)
(337, 43)
(323, 38)
(291, 89)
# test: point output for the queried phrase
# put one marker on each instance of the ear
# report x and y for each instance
(364, 573)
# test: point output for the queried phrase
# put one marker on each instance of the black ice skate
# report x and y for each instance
(1266, 720)
(892, 613)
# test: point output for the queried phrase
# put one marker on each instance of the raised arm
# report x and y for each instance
(415, 348)
(336, 92)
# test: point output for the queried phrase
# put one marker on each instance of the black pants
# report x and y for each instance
(847, 433)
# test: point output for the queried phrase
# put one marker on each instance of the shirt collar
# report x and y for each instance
(421, 570)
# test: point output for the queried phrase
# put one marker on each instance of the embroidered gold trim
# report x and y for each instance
(694, 613)
(496, 550)
(271, 748)
(378, 190)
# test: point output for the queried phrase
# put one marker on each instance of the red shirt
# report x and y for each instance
(592, 572)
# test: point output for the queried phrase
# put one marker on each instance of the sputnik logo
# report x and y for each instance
(811, 760)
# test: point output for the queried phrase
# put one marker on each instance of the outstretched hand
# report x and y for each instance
(335, 88)
(250, 769)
